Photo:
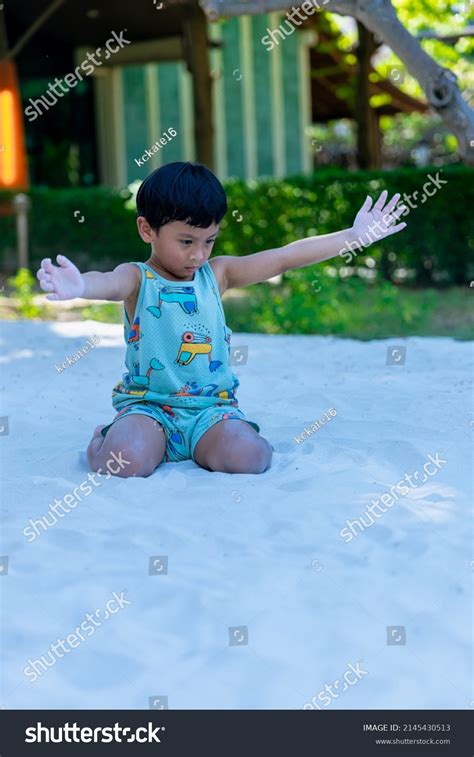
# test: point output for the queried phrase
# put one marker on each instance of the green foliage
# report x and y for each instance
(437, 245)
(111, 312)
(441, 17)
(352, 308)
(403, 133)
(23, 286)
(313, 302)
(106, 236)
(433, 17)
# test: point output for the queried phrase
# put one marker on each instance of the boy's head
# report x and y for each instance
(179, 209)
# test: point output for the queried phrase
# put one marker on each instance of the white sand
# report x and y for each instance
(258, 551)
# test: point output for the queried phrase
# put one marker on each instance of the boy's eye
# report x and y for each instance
(187, 242)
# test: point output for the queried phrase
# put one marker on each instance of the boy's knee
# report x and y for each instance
(261, 457)
(248, 458)
(128, 462)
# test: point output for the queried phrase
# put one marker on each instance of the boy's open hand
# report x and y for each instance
(64, 281)
(380, 220)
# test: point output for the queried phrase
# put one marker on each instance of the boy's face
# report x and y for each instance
(178, 248)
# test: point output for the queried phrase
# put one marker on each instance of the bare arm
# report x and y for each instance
(251, 269)
(65, 281)
(116, 285)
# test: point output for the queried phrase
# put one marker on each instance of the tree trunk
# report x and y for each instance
(368, 134)
(379, 16)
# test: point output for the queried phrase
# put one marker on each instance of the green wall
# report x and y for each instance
(146, 113)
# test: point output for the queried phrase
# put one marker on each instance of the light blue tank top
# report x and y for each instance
(178, 346)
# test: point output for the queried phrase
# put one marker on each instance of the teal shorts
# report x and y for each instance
(183, 427)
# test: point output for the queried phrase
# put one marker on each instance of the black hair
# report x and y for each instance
(182, 191)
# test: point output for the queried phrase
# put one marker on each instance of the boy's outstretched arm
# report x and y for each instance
(378, 222)
(65, 281)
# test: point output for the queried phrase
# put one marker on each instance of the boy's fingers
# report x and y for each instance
(46, 264)
(63, 261)
(52, 297)
(399, 211)
(395, 214)
(392, 203)
(396, 229)
(389, 218)
(381, 201)
(46, 286)
(367, 204)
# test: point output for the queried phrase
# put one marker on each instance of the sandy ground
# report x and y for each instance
(258, 561)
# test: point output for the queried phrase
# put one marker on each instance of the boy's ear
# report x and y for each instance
(144, 229)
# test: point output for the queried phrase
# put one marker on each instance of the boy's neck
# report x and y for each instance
(156, 266)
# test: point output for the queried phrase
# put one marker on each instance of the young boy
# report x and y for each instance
(176, 400)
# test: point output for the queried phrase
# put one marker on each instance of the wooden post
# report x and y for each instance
(196, 51)
(21, 204)
(368, 130)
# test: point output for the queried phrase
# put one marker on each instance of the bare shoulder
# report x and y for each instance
(130, 275)
(130, 271)
(218, 266)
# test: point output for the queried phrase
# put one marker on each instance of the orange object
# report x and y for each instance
(13, 162)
